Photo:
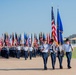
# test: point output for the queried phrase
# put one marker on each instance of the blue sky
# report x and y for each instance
(34, 16)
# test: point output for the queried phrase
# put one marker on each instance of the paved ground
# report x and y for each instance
(13, 66)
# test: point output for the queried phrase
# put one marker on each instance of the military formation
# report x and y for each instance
(44, 50)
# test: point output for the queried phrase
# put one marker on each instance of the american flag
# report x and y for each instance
(29, 40)
(54, 28)
(35, 39)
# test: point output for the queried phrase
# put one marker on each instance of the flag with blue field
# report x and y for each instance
(59, 28)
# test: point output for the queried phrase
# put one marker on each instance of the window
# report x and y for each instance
(73, 41)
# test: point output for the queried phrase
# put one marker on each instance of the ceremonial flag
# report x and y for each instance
(54, 28)
(22, 38)
(59, 28)
(12, 39)
(25, 38)
(1, 43)
(44, 37)
(16, 39)
(4, 37)
(15, 35)
(48, 38)
(35, 39)
(29, 40)
(40, 38)
(7, 40)
(19, 39)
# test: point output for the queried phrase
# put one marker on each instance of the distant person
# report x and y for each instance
(5, 51)
(67, 47)
(35, 50)
(30, 51)
(18, 51)
(26, 51)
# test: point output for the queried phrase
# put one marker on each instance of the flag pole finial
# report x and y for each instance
(57, 7)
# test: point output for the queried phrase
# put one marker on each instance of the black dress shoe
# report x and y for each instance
(45, 68)
(61, 67)
(53, 68)
(69, 67)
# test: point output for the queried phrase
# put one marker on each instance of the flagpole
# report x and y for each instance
(58, 27)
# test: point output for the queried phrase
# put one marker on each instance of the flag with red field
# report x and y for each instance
(48, 38)
(54, 27)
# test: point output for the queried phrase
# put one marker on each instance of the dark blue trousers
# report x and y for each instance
(60, 58)
(69, 56)
(45, 58)
(35, 52)
(7, 54)
(18, 54)
(30, 55)
(53, 59)
(26, 54)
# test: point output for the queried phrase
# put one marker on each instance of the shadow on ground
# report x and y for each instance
(5, 69)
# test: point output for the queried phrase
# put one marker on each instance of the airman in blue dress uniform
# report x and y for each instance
(67, 47)
(44, 50)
